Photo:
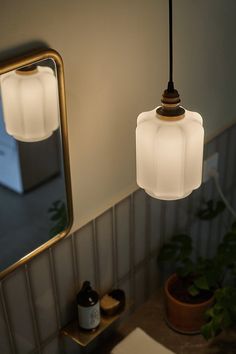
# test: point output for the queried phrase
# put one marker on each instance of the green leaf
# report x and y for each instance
(226, 320)
(207, 331)
(202, 283)
(193, 290)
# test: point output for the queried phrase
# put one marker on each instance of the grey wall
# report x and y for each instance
(115, 56)
(118, 248)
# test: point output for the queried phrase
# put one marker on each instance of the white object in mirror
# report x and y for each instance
(30, 103)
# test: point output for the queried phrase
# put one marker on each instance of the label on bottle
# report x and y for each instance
(89, 317)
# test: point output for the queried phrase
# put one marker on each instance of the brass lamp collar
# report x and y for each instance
(170, 109)
(27, 70)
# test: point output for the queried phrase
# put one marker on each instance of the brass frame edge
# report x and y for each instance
(170, 119)
(14, 64)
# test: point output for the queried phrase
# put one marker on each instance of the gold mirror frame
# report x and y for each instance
(14, 64)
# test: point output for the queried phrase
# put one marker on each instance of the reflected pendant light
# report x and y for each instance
(30, 103)
(169, 144)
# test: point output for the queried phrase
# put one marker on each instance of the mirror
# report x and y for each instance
(35, 189)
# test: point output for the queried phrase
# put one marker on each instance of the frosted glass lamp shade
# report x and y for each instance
(30, 103)
(169, 154)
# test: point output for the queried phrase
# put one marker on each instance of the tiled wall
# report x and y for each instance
(118, 248)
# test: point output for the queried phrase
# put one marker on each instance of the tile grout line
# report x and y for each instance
(96, 256)
(132, 248)
(114, 247)
(199, 228)
(210, 228)
(54, 287)
(234, 172)
(55, 294)
(147, 243)
(138, 267)
(32, 308)
(7, 321)
(162, 221)
(221, 216)
(225, 170)
(74, 264)
(45, 342)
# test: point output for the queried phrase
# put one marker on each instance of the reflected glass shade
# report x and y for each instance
(169, 154)
(30, 103)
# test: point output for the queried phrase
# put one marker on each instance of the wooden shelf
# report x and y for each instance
(83, 338)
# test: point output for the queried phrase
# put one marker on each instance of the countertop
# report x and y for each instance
(150, 318)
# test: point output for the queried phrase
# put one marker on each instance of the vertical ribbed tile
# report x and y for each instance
(52, 347)
(63, 264)
(85, 256)
(42, 290)
(154, 276)
(132, 245)
(170, 219)
(71, 347)
(140, 225)
(123, 237)
(182, 214)
(209, 193)
(222, 147)
(214, 231)
(234, 149)
(205, 224)
(155, 224)
(140, 286)
(231, 159)
(5, 330)
(125, 285)
(19, 312)
(114, 247)
(105, 246)
(193, 228)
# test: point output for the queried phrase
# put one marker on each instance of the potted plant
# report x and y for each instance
(201, 294)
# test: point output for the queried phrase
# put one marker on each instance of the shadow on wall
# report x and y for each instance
(22, 49)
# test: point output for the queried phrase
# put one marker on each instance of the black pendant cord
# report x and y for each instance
(170, 98)
(170, 83)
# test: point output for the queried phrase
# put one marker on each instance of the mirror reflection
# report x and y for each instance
(33, 198)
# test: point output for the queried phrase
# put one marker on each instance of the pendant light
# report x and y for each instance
(169, 144)
(30, 103)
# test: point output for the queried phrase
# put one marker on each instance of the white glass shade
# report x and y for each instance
(169, 155)
(30, 104)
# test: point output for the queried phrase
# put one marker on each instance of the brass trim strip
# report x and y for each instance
(171, 119)
(27, 73)
(30, 59)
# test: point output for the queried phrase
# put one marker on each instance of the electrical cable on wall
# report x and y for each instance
(215, 175)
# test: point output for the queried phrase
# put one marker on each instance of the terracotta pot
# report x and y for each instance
(181, 316)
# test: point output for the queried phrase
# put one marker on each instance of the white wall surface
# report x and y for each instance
(115, 57)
